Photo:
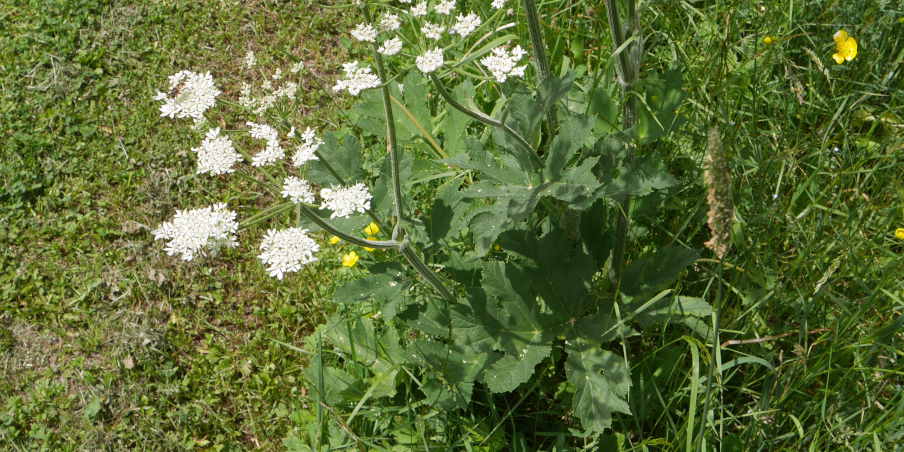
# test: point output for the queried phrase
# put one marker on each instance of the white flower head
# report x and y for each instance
(390, 22)
(502, 63)
(356, 79)
(391, 47)
(405, 1)
(191, 94)
(419, 10)
(298, 190)
(305, 152)
(344, 201)
(277, 74)
(432, 30)
(365, 32)
(198, 231)
(467, 24)
(297, 67)
(216, 155)
(250, 60)
(287, 250)
(498, 4)
(273, 151)
(445, 7)
(430, 61)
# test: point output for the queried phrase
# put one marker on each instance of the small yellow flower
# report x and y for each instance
(372, 239)
(334, 240)
(767, 40)
(349, 260)
(899, 233)
(846, 47)
(496, 247)
(371, 229)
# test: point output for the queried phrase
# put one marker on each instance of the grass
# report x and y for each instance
(106, 343)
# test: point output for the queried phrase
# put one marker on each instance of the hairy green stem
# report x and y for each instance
(265, 215)
(486, 120)
(306, 211)
(391, 143)
(628, 68)
(425, 271)
(539, 49)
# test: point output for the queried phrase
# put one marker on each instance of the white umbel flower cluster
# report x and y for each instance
(190, 95)
(250, 61)
(365, 32)
(191, 231)
(498, 4)
(467, 24)
(432, 30)
(419, 10)
(430, 61)
(216, 155)
(305, 152)
(273, 151)
(287, 250)
(391, 47)
(445, 7)
(298, 190)
(502, 63)
(344, 201)
(390, 22)
(357, 79)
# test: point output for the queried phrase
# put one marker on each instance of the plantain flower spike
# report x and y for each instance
(721, 210)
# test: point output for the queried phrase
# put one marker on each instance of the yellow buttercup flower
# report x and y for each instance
(349, 260)
(334, 240)
(371, 229)
(372, 239)
(846, 47)
(767, 40)
(899, 233)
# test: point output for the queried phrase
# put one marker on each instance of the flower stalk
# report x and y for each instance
(538, 46)
(627, 65)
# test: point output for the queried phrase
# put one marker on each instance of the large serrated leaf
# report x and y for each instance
(570, 137)
(386, 286)
(447, 215)
(560, 273)
(382, 197)
(646, 174)
(339, 164)
(601, 383)
(512, 318)
(456, 126)
(486, 223)
(656, 272)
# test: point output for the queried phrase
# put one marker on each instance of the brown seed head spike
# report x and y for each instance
(715, 167)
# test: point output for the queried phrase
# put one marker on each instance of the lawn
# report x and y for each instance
(108, 343)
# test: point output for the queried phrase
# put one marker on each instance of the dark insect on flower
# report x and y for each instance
(176, 91)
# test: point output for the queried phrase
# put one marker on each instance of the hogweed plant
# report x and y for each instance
(501, 231)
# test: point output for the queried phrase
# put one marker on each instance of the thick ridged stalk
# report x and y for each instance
(628, 68)
(391, 143)
(539, 50)
(392, 148)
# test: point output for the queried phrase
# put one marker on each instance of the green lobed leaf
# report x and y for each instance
(656, 272)
(572, 133)
(457, 123)
(510, 317)
(339, 164)
(447, 215)
(386, 286)
(601, 382)
(561, 274)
